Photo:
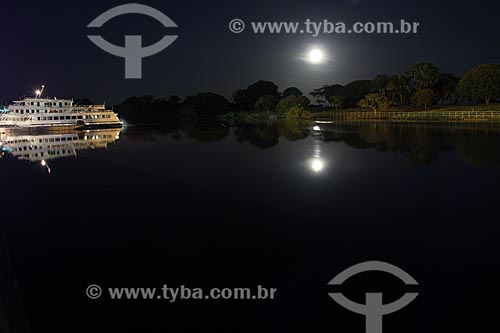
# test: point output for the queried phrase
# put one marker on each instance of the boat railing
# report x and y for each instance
(90, 108)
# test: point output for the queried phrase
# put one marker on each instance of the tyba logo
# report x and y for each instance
(374, 308)
(133, 52)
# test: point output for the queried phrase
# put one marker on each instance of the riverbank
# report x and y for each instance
(416, 117)
(448, 114)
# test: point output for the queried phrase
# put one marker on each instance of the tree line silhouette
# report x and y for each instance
(422, 86)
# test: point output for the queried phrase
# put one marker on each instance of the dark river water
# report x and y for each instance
(281, 205)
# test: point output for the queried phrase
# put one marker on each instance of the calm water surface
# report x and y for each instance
(282, 205)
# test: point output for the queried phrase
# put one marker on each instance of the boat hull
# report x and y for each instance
(57, 128)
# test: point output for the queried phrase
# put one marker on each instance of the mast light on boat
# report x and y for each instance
(39, 92)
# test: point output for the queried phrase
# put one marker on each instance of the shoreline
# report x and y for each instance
(413, 117)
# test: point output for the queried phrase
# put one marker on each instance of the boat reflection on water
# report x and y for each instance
(41, 147)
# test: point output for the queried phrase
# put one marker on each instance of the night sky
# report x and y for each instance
(44, 42)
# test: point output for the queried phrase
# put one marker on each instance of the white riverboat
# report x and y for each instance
(38, 112)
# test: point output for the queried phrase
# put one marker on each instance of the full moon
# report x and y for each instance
(315, 56)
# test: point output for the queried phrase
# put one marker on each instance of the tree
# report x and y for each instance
(446, 86)
(296, 111)
(147, 109)
(355, 91)
(288, 102)
(399, 85)
(376, 102)
(266, 103)
(336, 102)
(240, 99)
(206, 104)
(423, 76)
(321, 94)
(425, 98)
(292, 91)
(379, 84)
(246, 98)
(481, 82)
